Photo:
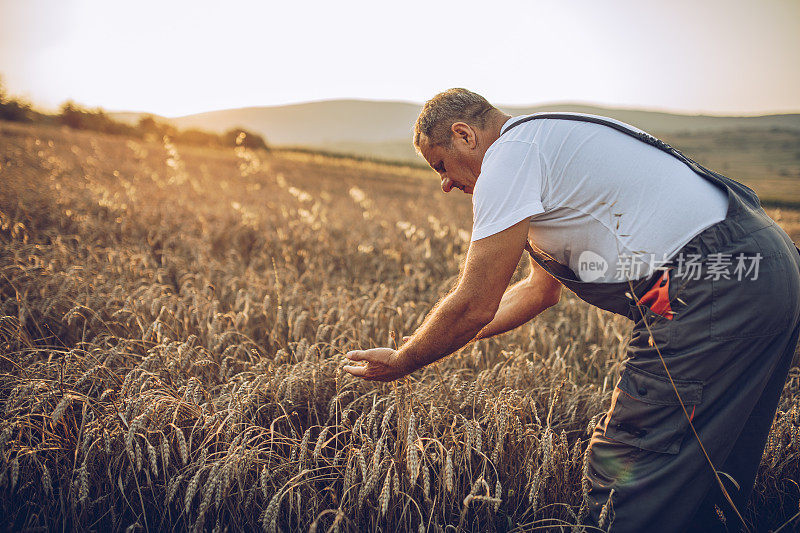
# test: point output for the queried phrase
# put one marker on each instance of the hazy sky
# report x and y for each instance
(176, 57)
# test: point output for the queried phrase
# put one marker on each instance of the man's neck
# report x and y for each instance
(495, 127)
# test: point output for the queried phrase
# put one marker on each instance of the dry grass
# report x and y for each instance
(172, 323)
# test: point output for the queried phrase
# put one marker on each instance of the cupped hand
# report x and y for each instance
(382, 364)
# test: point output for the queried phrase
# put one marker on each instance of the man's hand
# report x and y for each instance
(383, 364)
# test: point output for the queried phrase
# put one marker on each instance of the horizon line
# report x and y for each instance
(612, 107)
(654, 109)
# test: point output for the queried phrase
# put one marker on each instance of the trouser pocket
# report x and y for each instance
(646, 413)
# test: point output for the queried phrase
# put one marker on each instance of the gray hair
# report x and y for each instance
(446, 108)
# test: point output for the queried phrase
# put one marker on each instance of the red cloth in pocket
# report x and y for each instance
(657, 298)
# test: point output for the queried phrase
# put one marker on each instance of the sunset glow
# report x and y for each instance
(175, 58)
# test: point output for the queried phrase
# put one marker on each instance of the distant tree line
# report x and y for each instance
(148, 128)
(16, 109)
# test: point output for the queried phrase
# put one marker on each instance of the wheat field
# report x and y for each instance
(172, 328)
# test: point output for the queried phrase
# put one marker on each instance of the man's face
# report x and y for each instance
(453, 166)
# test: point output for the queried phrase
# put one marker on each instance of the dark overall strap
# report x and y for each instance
(644, 137)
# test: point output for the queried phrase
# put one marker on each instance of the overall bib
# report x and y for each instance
(727, 342)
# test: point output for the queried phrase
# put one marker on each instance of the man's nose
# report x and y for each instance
(447, 185)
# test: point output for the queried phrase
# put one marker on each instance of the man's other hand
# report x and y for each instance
(382, 364)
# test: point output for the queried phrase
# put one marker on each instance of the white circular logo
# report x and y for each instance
(591, 266)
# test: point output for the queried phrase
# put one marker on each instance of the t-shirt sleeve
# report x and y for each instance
(508, 189)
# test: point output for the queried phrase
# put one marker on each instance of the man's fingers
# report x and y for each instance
(355, 355)
(381, 364)
(406, 338)
(357, 371)
(376, 355)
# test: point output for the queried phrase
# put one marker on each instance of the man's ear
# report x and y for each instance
(464, 132)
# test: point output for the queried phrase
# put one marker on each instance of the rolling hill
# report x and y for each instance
(362, 121)
(761, 150)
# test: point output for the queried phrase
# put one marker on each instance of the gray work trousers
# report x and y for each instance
(728, 348)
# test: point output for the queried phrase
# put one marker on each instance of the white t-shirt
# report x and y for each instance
(607, 205)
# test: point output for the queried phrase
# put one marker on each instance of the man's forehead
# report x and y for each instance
(430, 151)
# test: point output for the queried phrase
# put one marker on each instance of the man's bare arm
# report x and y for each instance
(458, 317)
(523, 301)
